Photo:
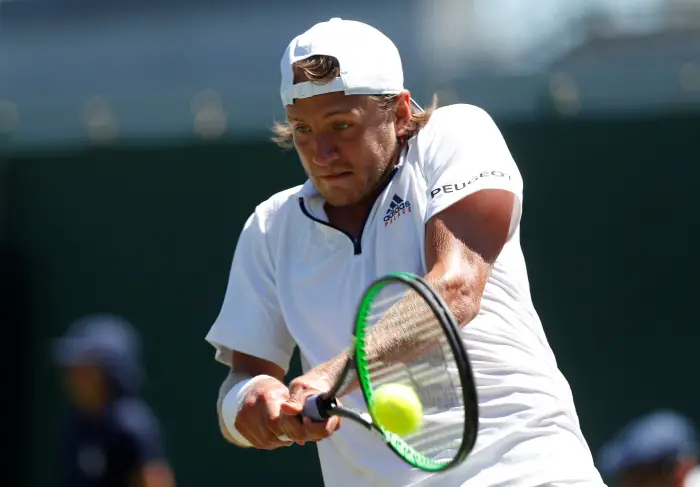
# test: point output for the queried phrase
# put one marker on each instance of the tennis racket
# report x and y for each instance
(405, 334)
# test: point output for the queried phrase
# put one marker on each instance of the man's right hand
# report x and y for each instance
(259, 420)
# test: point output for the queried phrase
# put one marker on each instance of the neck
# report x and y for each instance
(94, 404)
(352, 217)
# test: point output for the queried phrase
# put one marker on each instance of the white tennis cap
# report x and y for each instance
(370, 63)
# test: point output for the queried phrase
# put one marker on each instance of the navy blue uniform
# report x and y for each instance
(109, 450)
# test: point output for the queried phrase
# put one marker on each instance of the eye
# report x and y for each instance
(301, 129)
(341, 126)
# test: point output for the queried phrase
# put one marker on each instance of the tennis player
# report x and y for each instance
(390, 188)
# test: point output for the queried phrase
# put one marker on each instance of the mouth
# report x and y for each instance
(336, 177)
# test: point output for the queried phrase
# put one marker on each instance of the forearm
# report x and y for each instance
(403, 326)
(330, 372)
(409, 329)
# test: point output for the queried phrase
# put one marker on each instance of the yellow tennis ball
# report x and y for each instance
(397, 408)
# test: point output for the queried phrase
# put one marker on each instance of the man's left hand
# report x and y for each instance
(300, 389)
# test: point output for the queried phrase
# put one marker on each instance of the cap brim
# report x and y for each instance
(69, 351)
(621, 456)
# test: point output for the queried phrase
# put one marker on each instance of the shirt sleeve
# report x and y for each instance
(464, 152)
(250, 320)
(141, 432)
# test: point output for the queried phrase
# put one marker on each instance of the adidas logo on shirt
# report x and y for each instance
(397, 207)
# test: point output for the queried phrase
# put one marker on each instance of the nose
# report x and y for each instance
(325, 150)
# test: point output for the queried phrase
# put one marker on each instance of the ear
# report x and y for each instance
(402, 113)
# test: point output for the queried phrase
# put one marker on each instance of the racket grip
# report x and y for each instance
(317, 408)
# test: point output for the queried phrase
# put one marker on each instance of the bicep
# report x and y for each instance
(471, 231)
(474, 190)
(462, 242)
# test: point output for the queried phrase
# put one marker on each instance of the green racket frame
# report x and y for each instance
(322, 406)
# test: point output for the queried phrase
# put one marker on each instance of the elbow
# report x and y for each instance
(463, 297)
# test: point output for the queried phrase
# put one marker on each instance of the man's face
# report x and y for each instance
(85, 386)
(345, 143)
(647, 475)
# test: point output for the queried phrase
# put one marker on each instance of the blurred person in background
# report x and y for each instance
(111, 437)
(657, 450)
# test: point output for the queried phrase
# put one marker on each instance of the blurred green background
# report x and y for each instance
(132, 202)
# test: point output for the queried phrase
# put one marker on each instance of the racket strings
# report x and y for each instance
(403, 323)
(410, 347)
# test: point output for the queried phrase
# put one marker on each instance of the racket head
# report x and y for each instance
(433, 362)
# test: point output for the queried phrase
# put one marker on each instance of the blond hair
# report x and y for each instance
(324, 69)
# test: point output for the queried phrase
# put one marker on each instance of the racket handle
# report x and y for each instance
(317, 408)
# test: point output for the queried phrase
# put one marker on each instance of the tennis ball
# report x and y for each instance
(397, 408)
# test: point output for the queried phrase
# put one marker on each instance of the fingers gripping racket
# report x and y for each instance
(405, 334)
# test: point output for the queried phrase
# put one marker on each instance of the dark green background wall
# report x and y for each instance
(610, 222)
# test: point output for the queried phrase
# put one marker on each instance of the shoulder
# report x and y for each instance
(278, 202)
(134, 417)
(265, 219)
(459, 132)
(459, 112)
(459, 119)
(140, 431)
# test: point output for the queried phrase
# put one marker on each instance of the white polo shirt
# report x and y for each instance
(296, 281)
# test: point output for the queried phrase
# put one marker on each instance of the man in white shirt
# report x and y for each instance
(390, 188)
(660, 449)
